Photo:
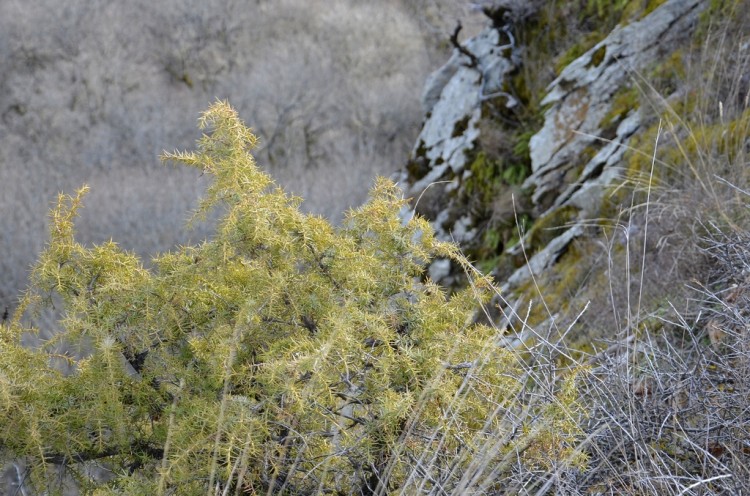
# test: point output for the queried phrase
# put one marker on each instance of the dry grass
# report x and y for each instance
(669, 383)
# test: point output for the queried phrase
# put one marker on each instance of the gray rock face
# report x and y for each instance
(576, 156)
(586, 193)
(581, 97)
(580, 101)
(452, 102)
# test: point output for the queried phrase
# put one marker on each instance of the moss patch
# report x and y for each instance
(550, 226)
(625, 100)
(597, 57)
(578, 49)
(485, 177)
(460, 127)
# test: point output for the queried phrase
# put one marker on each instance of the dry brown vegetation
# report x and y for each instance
(655, 300)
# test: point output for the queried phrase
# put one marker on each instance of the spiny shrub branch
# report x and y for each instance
(281, 356)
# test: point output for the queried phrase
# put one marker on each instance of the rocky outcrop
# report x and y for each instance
(576, 154)
(581, 99)
(452, 102)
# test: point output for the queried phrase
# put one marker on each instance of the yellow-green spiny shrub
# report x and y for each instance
(282, 356)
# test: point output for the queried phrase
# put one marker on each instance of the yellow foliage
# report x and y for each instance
(283, 355)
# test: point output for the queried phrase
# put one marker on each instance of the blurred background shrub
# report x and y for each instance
(93, 91)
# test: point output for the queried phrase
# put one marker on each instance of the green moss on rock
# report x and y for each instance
(597, 57)
(625, 100)
(549, 226)
(460, 126)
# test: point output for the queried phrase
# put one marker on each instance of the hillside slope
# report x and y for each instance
(591, 156)
(598, 167)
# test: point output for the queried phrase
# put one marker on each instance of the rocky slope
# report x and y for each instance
(594, 156)
(517, 178)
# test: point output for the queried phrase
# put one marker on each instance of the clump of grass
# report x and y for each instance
(668, 389)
